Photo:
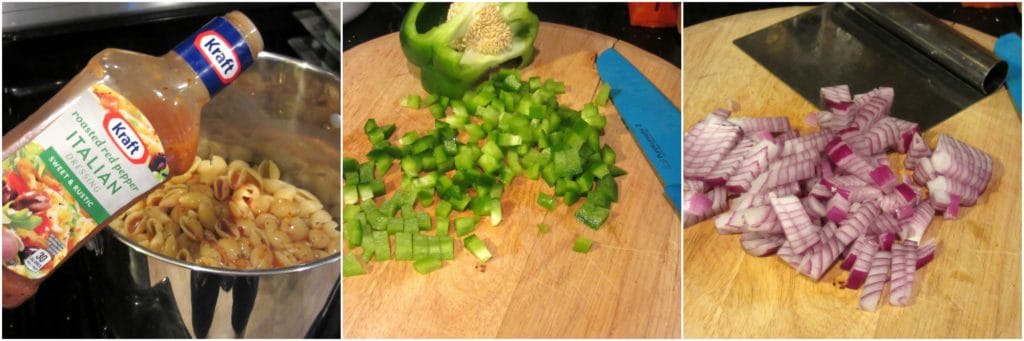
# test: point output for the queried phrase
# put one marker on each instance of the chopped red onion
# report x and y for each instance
(925, 253)
(913, 228)
(965, 164)
(705, 152)
(799, 229)
(761, 244)
(727, 165)
(857, 224)
(904, 258)
(886, 240)
(861, 265)
(878, 275)
(771, 124)
(754, 163)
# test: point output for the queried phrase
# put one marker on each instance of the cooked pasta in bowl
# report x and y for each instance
(232, 215)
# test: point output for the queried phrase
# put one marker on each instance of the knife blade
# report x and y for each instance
(655, 122)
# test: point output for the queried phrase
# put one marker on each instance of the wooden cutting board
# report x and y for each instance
(535, 286)
(971, 289)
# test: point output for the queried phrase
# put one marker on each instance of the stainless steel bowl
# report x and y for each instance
(280, 109)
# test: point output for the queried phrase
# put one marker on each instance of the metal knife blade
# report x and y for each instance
(655, 122)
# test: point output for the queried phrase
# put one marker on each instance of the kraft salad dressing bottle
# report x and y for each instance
(119, 128)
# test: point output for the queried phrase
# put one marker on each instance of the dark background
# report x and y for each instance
(994, 21)
(611, 19)
(36, 63)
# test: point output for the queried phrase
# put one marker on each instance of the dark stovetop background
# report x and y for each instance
(36, 64)
(611, 19)
(994, 21)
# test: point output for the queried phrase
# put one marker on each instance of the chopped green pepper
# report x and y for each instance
(477, 248)
(426, 265)
(546, 201)
(582, 245)
(352, 266)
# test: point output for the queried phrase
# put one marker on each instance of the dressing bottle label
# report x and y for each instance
(99, 154)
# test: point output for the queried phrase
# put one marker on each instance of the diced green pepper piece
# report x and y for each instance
(409, 224)
(422, 221)
(436, 110)
(370, 126)
(592, 116)
(567, 162)
(447, 247)
(592, 215)
(495, 212)
(382, 244)
(352, 232)
(395, 225)
(403, 246)
(477, 248)
(582, 245)
(603, 90)
(426, 265)
(419, 246)
(351, 194)
(365, 192)
(352, 266)
(489, 163)
(546, 201)
(465, 225)
(411, 102)
(434, 243)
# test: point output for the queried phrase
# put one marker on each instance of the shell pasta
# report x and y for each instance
(232, 215)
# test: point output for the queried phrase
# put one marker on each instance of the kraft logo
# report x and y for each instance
(125, 137)
(219, 54)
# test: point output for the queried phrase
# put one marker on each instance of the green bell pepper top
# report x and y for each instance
(455, 46)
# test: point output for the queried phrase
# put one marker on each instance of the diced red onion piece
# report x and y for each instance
(721, 113)
(913, 228)
(694, 186)
(857, 224)
(878, 275)
(838, 209)
(885, 223)
(812, 119)
(761, 244)
(963, 163)
(884, 178)
(924, 171)
(885, 241)
(942, 189)
(754, 163)
(795, 223)
(836, 93)
(771, 124)
(705, 152)
(952, 211)
(812, 142)
(925, 253)
(904, 257)
(918, 149)
(861, 265)
(727, 165)
(696, 203)
(817, 260)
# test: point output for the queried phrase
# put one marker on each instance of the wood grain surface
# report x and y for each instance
(535, 286)
(971, 289)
